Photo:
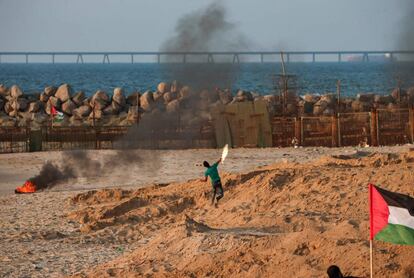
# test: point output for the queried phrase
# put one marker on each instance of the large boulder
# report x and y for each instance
(163, 87)
(175, 87)
(55, 102)
(243, 96)
(173, 106)
(366, 97)
(8, 107)
(50, 91)
(319, 107)
(4, 91)
(311, 98)
(39, 117)
(383, 99)
(82, 112)
(35, 106)
(225, 96)
(169, 96)
(97, 114)
(132, 114)
(99, 100)
(329, 99)
(68, 107)
(147, 101)
(157, 95)
(116, 107)
(19, 104)
(119, 97)
(78, 98)
(44, 97)
(133, 99)
(108, 110)
(15, 92)
(64, 92)
(185, 92)
(398, 94)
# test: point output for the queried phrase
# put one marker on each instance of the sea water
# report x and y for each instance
(319, 77)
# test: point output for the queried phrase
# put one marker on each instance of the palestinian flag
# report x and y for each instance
(56, 115)
(391, 216)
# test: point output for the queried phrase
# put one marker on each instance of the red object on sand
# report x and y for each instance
(28, 187)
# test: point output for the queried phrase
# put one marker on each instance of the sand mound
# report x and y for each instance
(284, 220)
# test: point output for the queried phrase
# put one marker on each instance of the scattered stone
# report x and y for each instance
(15, 92)
(68, 107)
(19, 104)
(133, 99)
(82, 111)
(55, 102)
(35, 106)
(147, 101)
(173, 106)
(119, 97)
(64, 92)
(4, 91)
(78, 98)
(163, 87)
(50, 91)
(43, 97)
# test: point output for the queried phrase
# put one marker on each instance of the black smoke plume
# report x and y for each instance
(406, 41)
(204, 30)
(51, 174)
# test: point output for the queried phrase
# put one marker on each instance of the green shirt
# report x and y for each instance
(212, 173)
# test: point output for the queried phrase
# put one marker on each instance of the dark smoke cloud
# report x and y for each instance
(406, 41)
(51, 174)
(87, 164)
(203, 31)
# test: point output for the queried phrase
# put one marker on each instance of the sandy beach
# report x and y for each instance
(286, 213)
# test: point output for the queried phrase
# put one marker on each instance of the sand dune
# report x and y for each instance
(289, 219)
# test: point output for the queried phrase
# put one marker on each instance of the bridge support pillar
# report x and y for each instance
(287, 57)
(314, 57)
(158, 58)
(365, 57)
(132, 58)
(261, 58)
(79, 59)
(210, 58)
(184, 58)
(236, 59)
(106, 59)
(27, 58)
(53, 58)
(339, 57)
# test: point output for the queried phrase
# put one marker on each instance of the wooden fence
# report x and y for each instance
(377, 128)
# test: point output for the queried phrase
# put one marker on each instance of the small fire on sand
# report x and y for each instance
(27, 187)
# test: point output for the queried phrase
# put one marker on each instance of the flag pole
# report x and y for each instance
(371, 232)
(371, 259)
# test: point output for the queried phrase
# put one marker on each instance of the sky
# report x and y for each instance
(143, 25)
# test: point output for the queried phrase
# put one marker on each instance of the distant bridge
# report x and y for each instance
(211, 57)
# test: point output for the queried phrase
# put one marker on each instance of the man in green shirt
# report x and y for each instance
(215, 180)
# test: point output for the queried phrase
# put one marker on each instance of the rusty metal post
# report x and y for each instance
(334, 131)
(374, 127)
(338, 122)
(411, 120)
(302, 139)
(298, 130)
(338, 95)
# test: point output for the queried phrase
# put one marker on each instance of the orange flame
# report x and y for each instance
(28, 187)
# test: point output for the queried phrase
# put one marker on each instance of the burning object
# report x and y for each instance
(27, 187)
